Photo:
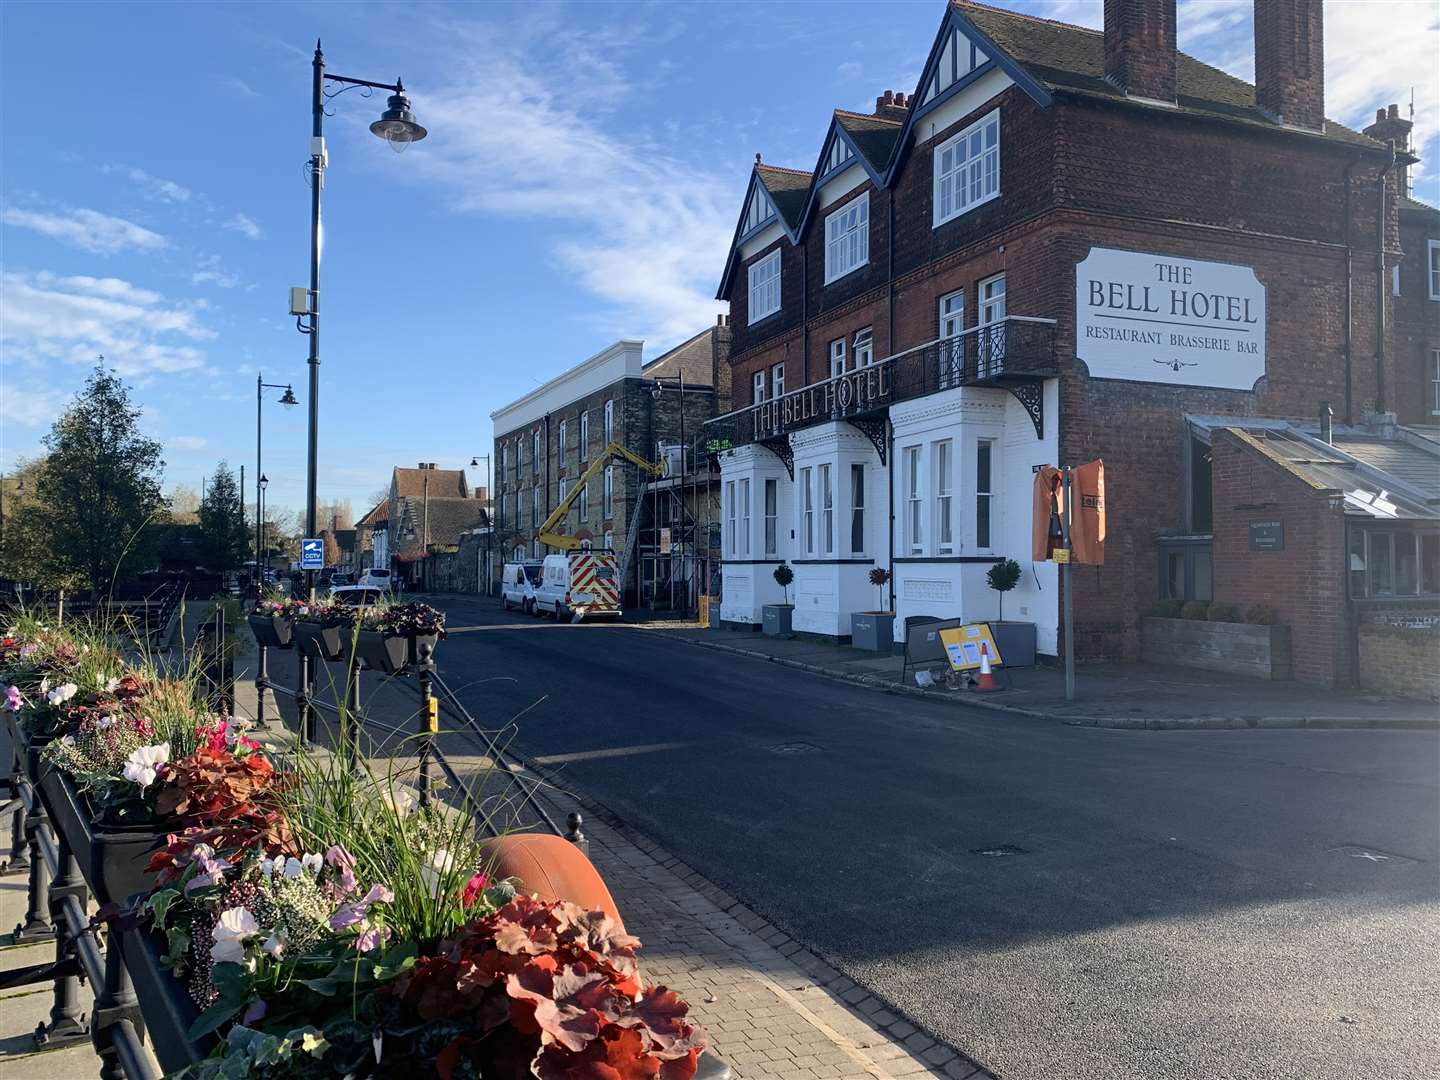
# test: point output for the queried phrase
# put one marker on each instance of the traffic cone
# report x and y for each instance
(987, 679)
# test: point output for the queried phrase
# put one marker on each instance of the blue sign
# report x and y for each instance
(312, 554)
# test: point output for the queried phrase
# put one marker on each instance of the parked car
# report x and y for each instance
(376, 576)
(341, 579)
(517, 585)
(358, 595)
(576, 584)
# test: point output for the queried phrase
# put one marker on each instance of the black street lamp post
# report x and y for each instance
(288, 400)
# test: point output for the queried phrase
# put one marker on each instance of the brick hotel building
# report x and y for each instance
(1068, 244)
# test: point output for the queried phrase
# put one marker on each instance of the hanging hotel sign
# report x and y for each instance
(1154, 318)
(845, 395)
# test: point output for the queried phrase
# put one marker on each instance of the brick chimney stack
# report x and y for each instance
(1390, 126)
(892, 105)
(1140, 47)
(1290, 61)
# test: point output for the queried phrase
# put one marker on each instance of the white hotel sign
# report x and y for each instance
(1153, 318)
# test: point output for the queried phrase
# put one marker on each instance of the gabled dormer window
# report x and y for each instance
(847, 238)
(761, 210)
(958, 58)
(840, 153)
(765, 287)
(967, 169)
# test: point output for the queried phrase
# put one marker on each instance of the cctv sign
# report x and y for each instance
(1155, 318)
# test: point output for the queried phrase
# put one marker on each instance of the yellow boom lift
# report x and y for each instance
(562, 542)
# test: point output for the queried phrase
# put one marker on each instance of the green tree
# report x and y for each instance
(99, 488)
(226, 539)
(26, 553)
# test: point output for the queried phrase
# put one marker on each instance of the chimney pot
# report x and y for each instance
(900, 98)
(1394, 112)
(889, 97)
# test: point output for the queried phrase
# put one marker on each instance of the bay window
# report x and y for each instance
(807, 503)
(983, 491)
(744, 517)
(827, 511)
(772, 516)
(944, 522)
(914, 512)
(730, 517)
(857, 509)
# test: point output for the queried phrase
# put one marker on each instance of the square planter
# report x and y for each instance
(168, 1009)
(321, 642)
(272, 631)
(872, 630)
(1016, 642)
(777, 620)
(381, 652)
(113, 861)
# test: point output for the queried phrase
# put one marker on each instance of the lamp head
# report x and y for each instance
(397, 124)
(474, 462)
(288, 398)
(264, 481)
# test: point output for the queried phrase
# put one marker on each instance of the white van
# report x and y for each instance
(579, 583)
(517, 586)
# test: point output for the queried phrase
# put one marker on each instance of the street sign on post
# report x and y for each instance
(312, 554)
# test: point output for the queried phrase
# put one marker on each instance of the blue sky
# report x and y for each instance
(581, 183)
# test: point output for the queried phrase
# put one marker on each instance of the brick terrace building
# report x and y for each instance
(545, 440)
(1064, 245)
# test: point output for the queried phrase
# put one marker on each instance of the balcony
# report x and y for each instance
(1016, 354)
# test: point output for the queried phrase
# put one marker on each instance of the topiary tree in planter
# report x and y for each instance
(1003, 577)
(880, 577)
(783, 577)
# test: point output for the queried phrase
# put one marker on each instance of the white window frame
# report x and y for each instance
(561, 440)
(950, 356)
(944, 453)
(1435, 382)
(730, 517)
(535, 501)
(985, 495)
(847, 238)
(584, 503)
(990, 342)
(863, 348)
(777, 382)
(519, 457)
(519, 508)
(827, 509)
(757, 388)
(771, 512)
(764, 287)
(1432, 267)
(535, 450)
(564, 488)
(744, 517)
(951, 308)
(914, 479)
(971, 174)
(609, 421)
(857, 508)
(837, 357)
(584, 436)
(608, 504)
(807, 512)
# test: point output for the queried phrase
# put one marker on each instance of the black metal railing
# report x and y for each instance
(1015, 349)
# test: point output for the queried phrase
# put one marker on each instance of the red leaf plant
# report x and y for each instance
(550, 990)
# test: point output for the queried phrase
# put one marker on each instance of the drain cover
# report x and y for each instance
(998, 850)
(794, 748)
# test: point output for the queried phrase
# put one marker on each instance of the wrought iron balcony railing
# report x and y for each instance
(1016, 353)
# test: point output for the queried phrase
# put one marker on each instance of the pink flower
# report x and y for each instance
(372, 938)
(353, 914)
(14, 699)
(474, 889)
(338, 857)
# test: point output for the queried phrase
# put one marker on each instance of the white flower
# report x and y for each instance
(434, 875)
(267, 867)
(233, 928)
(143, 764)
(105, 722)
(400, 801)
(61, 694)
(313, 863)
(111, 684)
(275, 945)
(293, 867)
(45, 684)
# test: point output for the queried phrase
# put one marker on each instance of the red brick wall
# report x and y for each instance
(1417, 319)
(1305, 583)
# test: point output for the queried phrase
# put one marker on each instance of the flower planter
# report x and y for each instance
(112, 860)
(777, 620)
(272, 631)
(1262, 652)
(873, 630)
(381, 652)
(321, 642)
(1016, 642)
(415, 641)
(169, 1012)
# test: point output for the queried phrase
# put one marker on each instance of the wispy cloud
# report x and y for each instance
(45, 319)
(646, 231)
(237, 86)
(242, 224)
(88, 230)
(185, 442)
(211, 271)
(154, 187)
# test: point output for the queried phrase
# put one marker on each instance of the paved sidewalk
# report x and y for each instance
(1107, 695)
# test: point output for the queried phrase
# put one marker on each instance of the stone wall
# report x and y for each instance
(1260, 652)
(1401, 660)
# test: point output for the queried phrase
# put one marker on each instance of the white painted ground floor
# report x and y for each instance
(950, 496)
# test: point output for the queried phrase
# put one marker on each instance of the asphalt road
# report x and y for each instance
(1216, 905)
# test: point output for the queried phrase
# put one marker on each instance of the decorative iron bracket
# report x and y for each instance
(873, 428)
(1031, 394)
(781, 448)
